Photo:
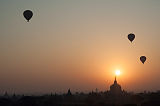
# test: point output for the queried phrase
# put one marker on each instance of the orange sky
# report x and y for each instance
(78, 45)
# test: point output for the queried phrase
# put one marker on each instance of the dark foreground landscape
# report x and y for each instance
(114, 97)
(81, 99)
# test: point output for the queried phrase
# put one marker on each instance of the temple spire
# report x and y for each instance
(115, 81)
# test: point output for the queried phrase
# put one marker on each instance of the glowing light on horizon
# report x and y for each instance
(117, 72)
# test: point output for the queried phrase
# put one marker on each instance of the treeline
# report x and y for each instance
(81, 99)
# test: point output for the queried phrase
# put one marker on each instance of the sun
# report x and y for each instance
(117, 72)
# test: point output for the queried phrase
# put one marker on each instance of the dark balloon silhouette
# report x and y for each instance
(143, 59)
(131, 37)
(28, 14)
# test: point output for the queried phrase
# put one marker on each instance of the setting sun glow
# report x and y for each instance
(117, 72)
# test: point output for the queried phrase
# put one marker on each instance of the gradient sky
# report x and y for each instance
(78, 44)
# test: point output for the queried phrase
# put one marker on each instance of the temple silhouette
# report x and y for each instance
(115, 88)
(116, 95)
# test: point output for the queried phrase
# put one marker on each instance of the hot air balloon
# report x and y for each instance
(143, 59)
(27, 14)
(131, 37)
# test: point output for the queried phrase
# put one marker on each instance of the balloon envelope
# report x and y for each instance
(131, 37)
(143, 59)
(28, 14)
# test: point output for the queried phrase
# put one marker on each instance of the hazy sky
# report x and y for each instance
(78, 44)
